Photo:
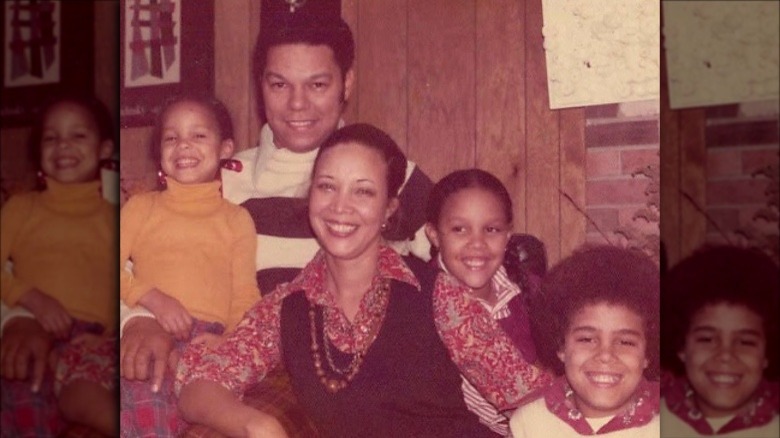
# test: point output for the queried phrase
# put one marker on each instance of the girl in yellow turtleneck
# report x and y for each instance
(192, 252)
(61, 241)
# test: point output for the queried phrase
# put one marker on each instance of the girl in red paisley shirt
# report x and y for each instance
(469, 223)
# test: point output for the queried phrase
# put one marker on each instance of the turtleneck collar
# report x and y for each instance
(279, 171)
(200, 198)
(72, 198)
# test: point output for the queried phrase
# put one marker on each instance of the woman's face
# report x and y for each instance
(348, 201)
(71, 148)
(471, 236)
(604, 358)
(725, 357)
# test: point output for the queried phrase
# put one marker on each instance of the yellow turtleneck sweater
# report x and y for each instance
(190, 243)
(62, 241)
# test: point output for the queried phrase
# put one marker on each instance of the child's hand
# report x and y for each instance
(89, 340)
(210, 340)
(48, 311)
(170, 313)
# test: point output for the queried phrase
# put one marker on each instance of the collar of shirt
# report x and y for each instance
(504, 287)
(312, 277)
(680, 399)
(642, 409)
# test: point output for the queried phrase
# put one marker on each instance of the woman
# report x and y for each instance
(355, 329)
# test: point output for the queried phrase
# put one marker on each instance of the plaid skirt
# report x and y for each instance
(147, 414)
(24, 413)
(29, 414)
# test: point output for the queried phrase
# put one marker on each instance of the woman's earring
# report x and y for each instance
(384, 226)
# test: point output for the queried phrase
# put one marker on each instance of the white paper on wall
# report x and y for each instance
(601, 51)
(721, 52)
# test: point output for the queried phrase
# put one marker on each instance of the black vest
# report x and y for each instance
(407, 386)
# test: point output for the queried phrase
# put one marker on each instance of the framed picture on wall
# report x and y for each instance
(46, 48)
(166, 48)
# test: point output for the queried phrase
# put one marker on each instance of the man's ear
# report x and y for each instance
(432, 233)
(349, 83)
(106, 149)
(561, 355)
(226, 148)
(681, 355)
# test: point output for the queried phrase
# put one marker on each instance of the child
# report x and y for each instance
(469, 223)
(60, 241)
(193, 252)
(598, 321)
(721, 346)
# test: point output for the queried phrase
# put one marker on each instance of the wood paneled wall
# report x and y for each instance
(462, 83)
(683, 163)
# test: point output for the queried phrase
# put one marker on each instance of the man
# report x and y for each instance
(303, 73)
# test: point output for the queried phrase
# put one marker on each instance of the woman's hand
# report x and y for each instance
(48, 311)
(171, 314)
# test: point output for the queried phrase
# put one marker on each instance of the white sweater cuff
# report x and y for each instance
(126, 313)
(8, 313)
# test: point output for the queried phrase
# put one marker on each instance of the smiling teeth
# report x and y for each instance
(342, 228)
(300, 124)
(66, 162)
(186, 162)
(474, 264)
(724, 378)
(604, 378)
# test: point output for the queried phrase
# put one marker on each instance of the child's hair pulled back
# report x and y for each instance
(102, 116)
(211, 103)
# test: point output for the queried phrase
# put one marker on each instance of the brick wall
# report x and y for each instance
(622, 168)
(743, 157)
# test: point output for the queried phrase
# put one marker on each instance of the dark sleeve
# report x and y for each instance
(424, 272)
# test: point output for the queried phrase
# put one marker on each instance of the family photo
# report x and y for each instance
(339, 218)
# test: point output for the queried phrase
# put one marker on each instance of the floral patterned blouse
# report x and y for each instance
(476, 343)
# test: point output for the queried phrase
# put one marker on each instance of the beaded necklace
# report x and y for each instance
(345, 375)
